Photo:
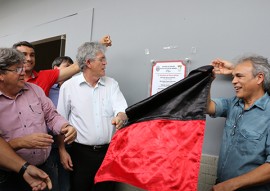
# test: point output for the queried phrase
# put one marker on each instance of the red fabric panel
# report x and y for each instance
(157, 155)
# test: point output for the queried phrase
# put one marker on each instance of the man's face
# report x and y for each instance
(245, 84)
(30, 60)
(14, 79)
(99, 65)
(64, 64)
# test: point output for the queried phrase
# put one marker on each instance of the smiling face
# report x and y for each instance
(246, 85)
(30, 60)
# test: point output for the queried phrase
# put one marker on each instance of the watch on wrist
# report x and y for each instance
(23, 169)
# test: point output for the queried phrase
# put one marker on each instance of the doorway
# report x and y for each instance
(47, 50)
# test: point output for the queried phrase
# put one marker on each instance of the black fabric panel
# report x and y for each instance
(184, 100)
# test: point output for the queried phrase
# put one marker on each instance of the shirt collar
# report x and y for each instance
(81, 80)
(260, 103)
(34, 74)
(20, 92)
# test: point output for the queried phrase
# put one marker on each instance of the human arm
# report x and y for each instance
(106, 40)
(35, 177)
(258, 176)
(69, 133)
(65, 158)
(68, 72)
(222, 67)
(119, 105)
(119, 120)
(211, 106)
(32, 141)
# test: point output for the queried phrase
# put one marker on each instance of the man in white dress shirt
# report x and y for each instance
(94, 104)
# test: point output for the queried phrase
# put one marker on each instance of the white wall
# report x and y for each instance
(225, 29)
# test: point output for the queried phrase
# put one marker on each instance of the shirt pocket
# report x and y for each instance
(107, 110)
(248, 141)
(36, 112)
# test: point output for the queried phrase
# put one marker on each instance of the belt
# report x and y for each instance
(95, 148)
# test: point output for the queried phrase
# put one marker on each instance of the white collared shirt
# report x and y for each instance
(91, 109)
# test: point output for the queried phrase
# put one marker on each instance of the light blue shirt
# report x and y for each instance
(246, 144)
(54, 94)
(91, 109)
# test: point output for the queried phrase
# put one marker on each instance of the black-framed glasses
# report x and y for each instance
(17, 70)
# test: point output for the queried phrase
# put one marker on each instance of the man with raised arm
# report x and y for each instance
(245, 150)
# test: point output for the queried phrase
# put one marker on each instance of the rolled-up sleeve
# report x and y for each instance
(53, 119)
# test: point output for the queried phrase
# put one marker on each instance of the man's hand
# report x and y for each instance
(222, 66)
(32, 141)
(106, 40)
(222, 187)
(119, 120)
(65, 159)
(37, 179)
(70, 133)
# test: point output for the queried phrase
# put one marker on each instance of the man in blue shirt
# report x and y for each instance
(245, 151)
(60, 176)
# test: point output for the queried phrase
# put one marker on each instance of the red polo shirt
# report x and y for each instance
(44, 79)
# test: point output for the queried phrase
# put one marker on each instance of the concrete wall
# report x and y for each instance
(198, 30)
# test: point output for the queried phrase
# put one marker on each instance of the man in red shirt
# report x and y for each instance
(47, 78)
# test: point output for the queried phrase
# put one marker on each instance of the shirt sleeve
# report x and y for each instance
(63, 106)
(46, 79)
(222, 106)
(119, 103)
(53, 119)
(267, 146)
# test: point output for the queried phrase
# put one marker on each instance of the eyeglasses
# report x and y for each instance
(101, 59)
(17, 70)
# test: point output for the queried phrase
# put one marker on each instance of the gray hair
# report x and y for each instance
(88, 51)
(260, 65)
(10, 57)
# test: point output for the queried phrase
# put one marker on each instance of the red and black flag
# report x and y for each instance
(160, 147)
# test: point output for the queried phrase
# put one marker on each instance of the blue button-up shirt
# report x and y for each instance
(246, 144)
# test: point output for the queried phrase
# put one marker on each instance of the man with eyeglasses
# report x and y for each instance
(25, 114)
(94, 103)
(47, 78)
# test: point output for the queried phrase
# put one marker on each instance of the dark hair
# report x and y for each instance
(23, 43)
(59, 60)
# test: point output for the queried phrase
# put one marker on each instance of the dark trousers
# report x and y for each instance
(59, 176)
(86, 162)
